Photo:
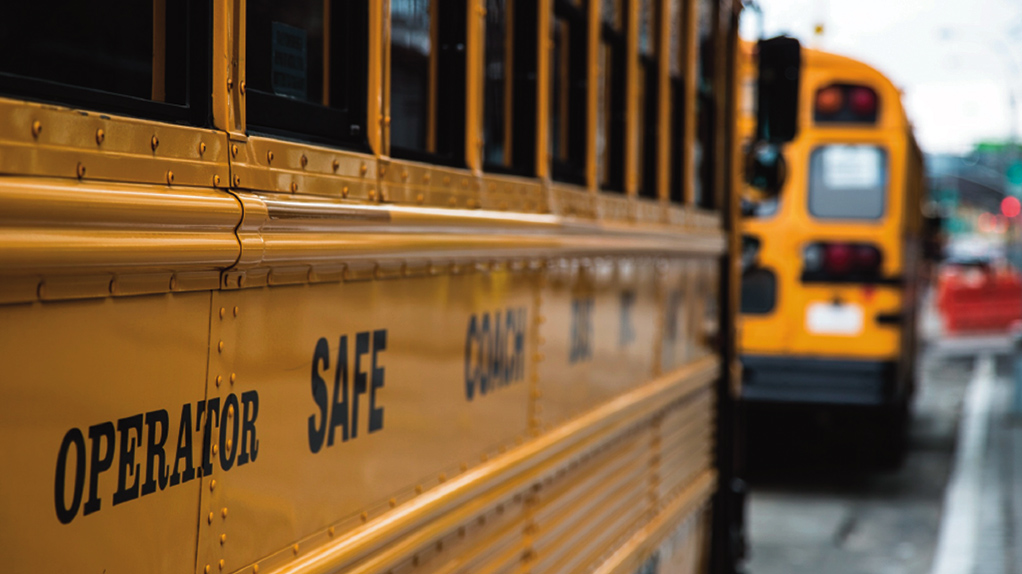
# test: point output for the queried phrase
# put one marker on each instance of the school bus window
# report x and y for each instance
(567, 130)
(122, 56)
(847, 181)
(509, 99)
(610, 112)
(427, 80)
(705, 112)
(677, 99)
(307, 68)
(648, 90)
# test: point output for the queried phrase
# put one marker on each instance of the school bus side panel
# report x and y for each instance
(97, 398)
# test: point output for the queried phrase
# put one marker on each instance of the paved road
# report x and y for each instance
(835, 516)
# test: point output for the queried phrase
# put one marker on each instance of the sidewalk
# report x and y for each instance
(981, 525)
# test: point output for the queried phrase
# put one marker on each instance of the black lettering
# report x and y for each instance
(483, 364)
(318, 433)
(229, 446)
(184, 448)
(520, 345)
(339, 410)
(212, 415)
(249, 442)
(154, 451)
(470, 378)
(496, 351)
(98, 464)
(626, 334)
(65, 514)
(376, 414)
(127, 466)
(359, 388)
(200, 412)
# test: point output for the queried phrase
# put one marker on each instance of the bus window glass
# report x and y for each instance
(703, 194)
(497, 105)
(120, 55)
(286, 49)
(307, 68)
(847, 181)
(568, 91)
(411, 65)
(611, 110)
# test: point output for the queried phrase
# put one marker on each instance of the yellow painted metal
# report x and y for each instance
(633, 131)
(88, 375)
(544, 50)
(229, 67)
(594, 28)
(44, 140)
(690, 59)
(664, 104)
(378, 124)
(475, 59)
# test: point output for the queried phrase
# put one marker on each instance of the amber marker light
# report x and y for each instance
(829, 100)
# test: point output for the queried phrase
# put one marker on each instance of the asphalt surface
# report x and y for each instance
(818, 502)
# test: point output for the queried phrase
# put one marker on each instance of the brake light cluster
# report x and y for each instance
(842, 262)
(845, 103)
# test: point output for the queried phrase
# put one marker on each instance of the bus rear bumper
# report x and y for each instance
(818, 381)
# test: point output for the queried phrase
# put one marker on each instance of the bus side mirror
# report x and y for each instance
(780, 65)
(777, 88)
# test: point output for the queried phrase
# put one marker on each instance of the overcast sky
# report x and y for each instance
(956, 61)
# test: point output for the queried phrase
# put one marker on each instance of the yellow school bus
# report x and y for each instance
(368, 286)
(830, 268)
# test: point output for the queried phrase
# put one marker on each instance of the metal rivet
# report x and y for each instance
(418, 489)
(221, 564)
(223, 539)
(363, 169)
(216, 449)
(233, 376)
(230, 84)
(294, 186)
(222, 312)
(364, 516)
(237, 181)
(230, 445)
(216, 181)
(425, 178)
(223, 513)
(420, 198)
(100, 136)
(372, 194)
(234, 150)
(386, 121)
(304, 161)
(255, 569)
(330, 531)
(442, 477)
(218, 380)
(173, 282)
(81, 170)
(235, 310)
(242, 87)
(170, 177)
(336, 164)
(447, 179)
(37, 128)
(202, 148)
(269, 156)
(155, 142)
(211, 518)
(212, 484)
(392, 502)
(220, 347)
(294, 548)
(404, 175)
(344, 191)
(206, 569)
(383, 170)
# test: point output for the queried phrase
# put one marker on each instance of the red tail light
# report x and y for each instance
(825, 261)
(863, 101)
(829, 100)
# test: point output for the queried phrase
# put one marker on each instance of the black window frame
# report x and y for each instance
(615, 40)
(195, 56)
